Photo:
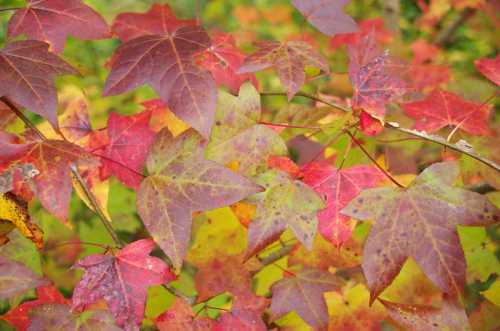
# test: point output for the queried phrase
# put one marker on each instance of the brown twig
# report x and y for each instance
(445, 35)
(9, 9)
(309, 96)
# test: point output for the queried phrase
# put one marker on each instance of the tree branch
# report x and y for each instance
(92, 199)
(446, 34)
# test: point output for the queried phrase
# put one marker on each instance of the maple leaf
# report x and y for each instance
(285, 203)
(162, 116)
(419, 317)
(289, 59)
(419, 221)
(75, 120)
(338, 187)
(303, 293)
(246, 314)
(382, 35)
(166, 63)
(7, 117)
(124, 153)
(52, 159)
(376, 77)
(158, 20)
(236, 135)
(18, 317)
(27, 69)
(182, 181)
(121, 280)
(53, 21)
(223, 59)
(16, 278)
(180, 317)
(14, 214)
(54, 316)
(327, 16)
(442, 108)
(490, 68)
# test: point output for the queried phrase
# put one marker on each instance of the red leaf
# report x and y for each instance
(53, 21)
(158, 20)
(377, 78)
(420, 221)
(423, 73)
(129, 139)
(490, 68)
(6, 116)
(382, 35)
(27, 70)
(18, 317)
(369, 125)
(180, 317)
(338, 188)
(327, 16)
(223, 60)
(289, 59)
(283, 163)
(166, 63)
(442, 108)
(121, 280)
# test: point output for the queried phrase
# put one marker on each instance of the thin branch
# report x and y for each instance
(309, 96)
(9, 9)
(388, 175)
(92, 199)
(275, 256)
(176, 293)
(291, 126)
(445, 35)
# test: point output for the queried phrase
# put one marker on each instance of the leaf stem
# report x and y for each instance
(309, 96)
(9, 9)
(90, 196)
(387, 174)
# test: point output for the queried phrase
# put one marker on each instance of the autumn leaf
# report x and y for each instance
(246, 314)
(128, 141)
(382, 35)
(236, 135)
(165, 61)
(16, 278)
(182, 181)
(14, 214)
(327, 16)
(18, 317)
(419, 317)
(74, 122)
(53, 21)
(7, 117)
(303, 293)
(377, 78)
(54, 316)
(223, 59)
(286, 203)
(442, 108)
(33, 68)
(490, 68)
(338, 187)
(158, 20)
(419, 221)
(180, 317)
(289, 59)
(121, 280)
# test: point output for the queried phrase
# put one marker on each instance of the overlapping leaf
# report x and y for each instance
(490, 68)
(236, 135)
(165, 61)
(53, 21)
(180, 317)
(327, 15)
(338, 188)
(382, 35)
(121, 280)
(442, 108)
(16, 278)
(420, 221)
(377, 78)
(303, 293)
(286, 203)
(27, 69)
(182, 181)
(289, 59)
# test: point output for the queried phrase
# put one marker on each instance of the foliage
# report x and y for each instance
(155, 175)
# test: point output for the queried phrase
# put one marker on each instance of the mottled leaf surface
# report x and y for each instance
(53, 21)
(236, 135)
(338, 188)
(303, 293)
(327, 15)
(441, 108)
(377, 78)
(490, 68)
(48, 317)
(158, 20)
(180, 317)
(420, 221)
(286, 203)
(32, 67)
(16, 278)
(121, 280)
(165, 61)
(182, 181)
(418, 317)
(289, 59)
